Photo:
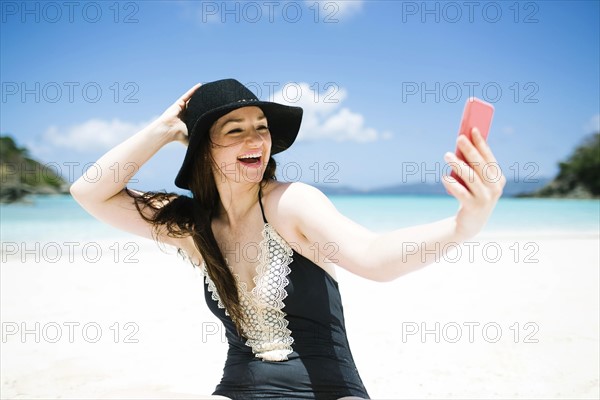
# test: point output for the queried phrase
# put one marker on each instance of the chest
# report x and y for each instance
(249, 252)
(257, 257)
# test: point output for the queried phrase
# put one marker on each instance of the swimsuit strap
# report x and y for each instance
(261, 206)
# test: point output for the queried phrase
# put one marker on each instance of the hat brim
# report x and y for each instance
(284, 125)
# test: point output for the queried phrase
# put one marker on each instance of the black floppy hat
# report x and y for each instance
(213, 100)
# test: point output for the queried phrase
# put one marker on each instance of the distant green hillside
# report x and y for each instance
(20, 175)
(579, 176)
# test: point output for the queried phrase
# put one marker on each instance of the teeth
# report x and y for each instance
(255, 155)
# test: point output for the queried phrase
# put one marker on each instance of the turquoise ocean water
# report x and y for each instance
(60, 218)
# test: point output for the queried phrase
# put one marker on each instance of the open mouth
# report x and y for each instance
(252, 160)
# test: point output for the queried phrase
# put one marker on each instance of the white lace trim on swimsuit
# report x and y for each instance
(264, 323)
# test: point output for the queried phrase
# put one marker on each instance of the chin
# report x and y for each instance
(252, 174)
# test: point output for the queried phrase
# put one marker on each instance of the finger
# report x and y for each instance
(454, 188)
(482, 146)
(184, 99)
(491, 169)
(471, 155)
(466, 173)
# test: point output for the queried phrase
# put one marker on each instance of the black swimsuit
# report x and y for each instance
(296, 346)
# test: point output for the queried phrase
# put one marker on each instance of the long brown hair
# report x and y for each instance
(183, 216)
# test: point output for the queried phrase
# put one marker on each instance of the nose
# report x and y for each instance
(255, 137)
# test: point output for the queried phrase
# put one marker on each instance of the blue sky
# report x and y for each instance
(363, 126)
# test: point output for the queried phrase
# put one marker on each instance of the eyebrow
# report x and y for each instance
(240, 120)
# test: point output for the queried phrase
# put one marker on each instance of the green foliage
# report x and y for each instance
(21, 175)
(583, 167)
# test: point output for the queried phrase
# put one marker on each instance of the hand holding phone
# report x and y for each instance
(477, 114)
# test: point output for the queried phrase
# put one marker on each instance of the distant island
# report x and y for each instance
(579, 177)
(20, 175)
(512, 189)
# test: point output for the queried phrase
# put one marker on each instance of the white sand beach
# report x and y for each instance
(509, 327)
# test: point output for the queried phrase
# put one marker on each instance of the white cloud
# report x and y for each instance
(335, 10)
(289, 11)
(94, 134)
(593, 125)
(324, 117)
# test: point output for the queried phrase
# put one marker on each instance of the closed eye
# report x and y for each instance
(238, 130)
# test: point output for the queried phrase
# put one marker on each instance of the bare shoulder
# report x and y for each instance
(291, 193)
(290, 206)
(291, 199)
(304, 215)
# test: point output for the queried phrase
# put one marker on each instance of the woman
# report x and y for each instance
(252, 235)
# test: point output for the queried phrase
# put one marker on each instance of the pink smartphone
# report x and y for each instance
(477, 113)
